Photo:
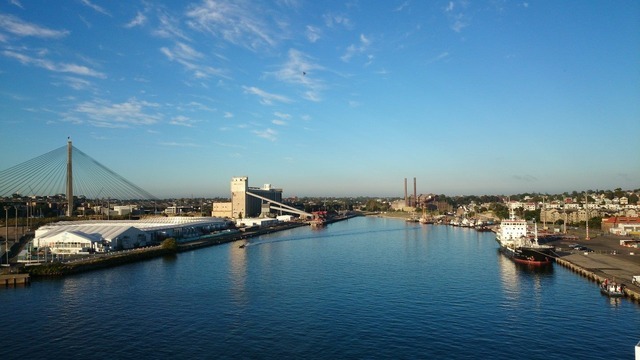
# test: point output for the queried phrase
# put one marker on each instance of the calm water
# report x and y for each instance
(362, 289)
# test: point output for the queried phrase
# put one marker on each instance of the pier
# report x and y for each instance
(14, 280)
(607, 260)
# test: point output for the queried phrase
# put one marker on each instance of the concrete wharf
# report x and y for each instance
(14, 280)
(606, 260)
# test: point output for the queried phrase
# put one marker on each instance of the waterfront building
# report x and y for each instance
(74, 237)
(621, 225)
(243, 202)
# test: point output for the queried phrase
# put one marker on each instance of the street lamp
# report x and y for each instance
(6, 230)
(16, 233)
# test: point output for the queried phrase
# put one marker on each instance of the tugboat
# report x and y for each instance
(516, 243)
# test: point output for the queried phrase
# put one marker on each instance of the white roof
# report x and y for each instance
(110, 229)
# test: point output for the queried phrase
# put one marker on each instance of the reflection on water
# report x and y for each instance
(522, 279)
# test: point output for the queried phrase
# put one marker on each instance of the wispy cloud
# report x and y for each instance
(17, 3)
(268, 134)
(139, 20)
(52, 66)
(102, 113)
(95, 7)
(282, 115)
(180, 144)
(265, 97)
(22, 28)
(313, 33)
(457, 17)
(169, 28)
(181, 120)
(299, 69)
(355, 49)
(76, 83)
(278, 122)
(227, 115)
(442, 56)
(332, 20)
(402, 6)
(189, 57)
(237, 22)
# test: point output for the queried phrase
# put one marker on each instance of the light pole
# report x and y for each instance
(16, 233)
(586, 212)
(6, 231)
(544, 214)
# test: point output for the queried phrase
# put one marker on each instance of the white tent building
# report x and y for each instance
(73, 237)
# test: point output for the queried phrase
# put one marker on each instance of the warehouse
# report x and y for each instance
(76, 237)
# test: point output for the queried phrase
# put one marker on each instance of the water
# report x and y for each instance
(365, 288)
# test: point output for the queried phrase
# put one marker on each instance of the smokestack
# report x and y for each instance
(405, 192)
(415, 193)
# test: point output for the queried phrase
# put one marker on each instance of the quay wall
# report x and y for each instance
(630, 293)
(14, 280)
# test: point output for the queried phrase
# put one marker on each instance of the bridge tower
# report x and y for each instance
(69, 179)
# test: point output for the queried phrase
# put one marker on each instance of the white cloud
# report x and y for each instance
(240, 23)
(95, 7)
(169, 28)
(265, 97)
(268, 134)
(278, 122)
(52, 66)
(18, 27)
(313, 33)
(402, 6)
(441, 56)
(189, 57)
(102, 113)
(179, 144)
(181, 120)
(458, 19)
(76, 83)
(282, 115)
(354, 49)
(139, 20)
(449, 7)
(228, 115)
(17, 3)
(299, 69)
(331, 20)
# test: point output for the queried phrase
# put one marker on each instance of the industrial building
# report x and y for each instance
(74, 237)
(248, 202)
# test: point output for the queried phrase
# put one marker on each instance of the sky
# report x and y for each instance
(329, 98)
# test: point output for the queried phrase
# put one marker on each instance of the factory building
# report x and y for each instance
(243, 204)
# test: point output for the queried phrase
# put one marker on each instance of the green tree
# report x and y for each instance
(170, 244)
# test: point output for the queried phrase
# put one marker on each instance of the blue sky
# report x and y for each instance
(329, 98)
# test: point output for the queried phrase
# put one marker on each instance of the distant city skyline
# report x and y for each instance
(329, 98)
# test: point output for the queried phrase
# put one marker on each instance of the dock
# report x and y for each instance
(607, 260)
(12, 280)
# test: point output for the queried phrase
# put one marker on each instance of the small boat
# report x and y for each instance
(611, 288)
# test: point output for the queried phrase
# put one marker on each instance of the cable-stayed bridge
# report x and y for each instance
(67, 170)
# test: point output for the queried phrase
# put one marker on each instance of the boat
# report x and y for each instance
(319, 219)
(424, 219)
(611, 288)
(517, 244)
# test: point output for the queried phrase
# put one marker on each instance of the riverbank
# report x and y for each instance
(102, 261)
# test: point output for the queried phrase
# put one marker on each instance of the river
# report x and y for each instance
(366, 288)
